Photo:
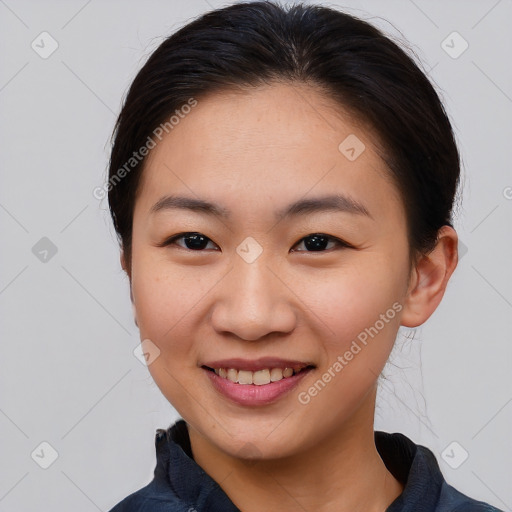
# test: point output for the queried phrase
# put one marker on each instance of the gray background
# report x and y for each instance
(68, 373)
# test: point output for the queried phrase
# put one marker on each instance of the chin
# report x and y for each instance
(257, 444)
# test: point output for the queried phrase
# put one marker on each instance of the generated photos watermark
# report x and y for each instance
(139, 155)
(305, 397)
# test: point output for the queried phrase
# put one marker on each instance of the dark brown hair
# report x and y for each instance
(254, 43)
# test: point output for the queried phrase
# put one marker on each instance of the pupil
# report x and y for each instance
(317, 242)
(197, 241)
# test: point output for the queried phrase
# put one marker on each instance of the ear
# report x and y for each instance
(124, 265)
(429, 279)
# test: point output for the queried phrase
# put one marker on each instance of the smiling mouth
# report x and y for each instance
(259, 377)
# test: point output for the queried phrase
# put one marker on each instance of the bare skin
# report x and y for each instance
(254, 153)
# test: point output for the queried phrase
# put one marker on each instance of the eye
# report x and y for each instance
(316, 242)
(193, 241)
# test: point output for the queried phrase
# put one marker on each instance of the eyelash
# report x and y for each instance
(171, 241)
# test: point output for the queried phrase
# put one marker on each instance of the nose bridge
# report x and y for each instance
(253, 302)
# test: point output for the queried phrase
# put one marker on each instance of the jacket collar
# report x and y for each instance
(189, 482)
(413, 465)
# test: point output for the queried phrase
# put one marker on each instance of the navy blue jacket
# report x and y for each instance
(181, 485)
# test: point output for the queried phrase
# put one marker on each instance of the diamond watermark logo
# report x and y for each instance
(454, 455)
(44, 45)
(462, 249)
(249, 453)
(44, 455)
(352, 147)
(146, 352)
(44, 250)
(249, 250)
(454, 45)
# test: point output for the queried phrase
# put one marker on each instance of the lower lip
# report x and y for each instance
(252, 394)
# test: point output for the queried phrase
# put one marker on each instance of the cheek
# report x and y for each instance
(359, 315)
(163, 296)
(349, 301)
(170, 301)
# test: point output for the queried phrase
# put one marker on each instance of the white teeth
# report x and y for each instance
(244, 377)
(276, 374)
(288, 372)
(259, 377)
(232, 375)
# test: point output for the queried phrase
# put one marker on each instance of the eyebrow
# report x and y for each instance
(337, 202)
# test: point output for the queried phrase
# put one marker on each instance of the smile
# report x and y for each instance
(259, 377)
(259, 387)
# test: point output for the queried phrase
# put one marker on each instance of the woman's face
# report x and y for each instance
(259, 285)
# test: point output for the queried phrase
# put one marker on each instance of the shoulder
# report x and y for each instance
(426, 489)
(452, 500)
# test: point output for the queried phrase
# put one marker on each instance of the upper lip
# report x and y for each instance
(256, 364)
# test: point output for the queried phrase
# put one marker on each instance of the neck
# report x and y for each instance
(343, 472)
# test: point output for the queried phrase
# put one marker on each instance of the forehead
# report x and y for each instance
(272, 142)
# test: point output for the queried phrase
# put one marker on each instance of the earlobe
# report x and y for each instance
(133, 306)
(122, 260)
(125, 268)
(134, 312)
(430, 279)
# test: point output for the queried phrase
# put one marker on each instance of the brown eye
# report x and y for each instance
(318, 242)
(193, 241)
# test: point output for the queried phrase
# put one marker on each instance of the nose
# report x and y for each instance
(253, 301)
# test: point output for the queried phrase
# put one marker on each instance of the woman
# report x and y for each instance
(282, 183)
